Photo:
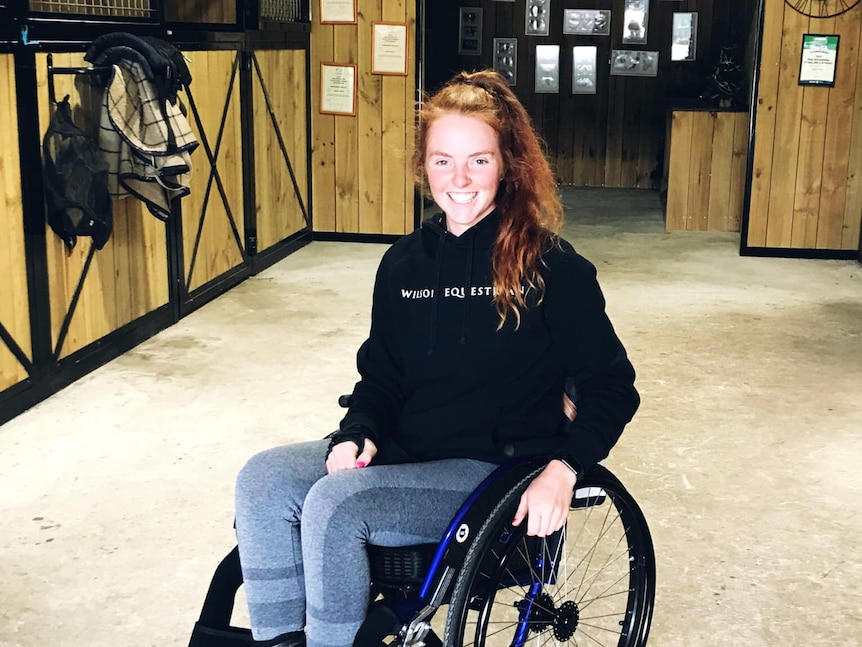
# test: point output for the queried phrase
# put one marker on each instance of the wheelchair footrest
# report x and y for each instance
(205, 636)
(380, 622)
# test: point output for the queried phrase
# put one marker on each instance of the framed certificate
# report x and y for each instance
(819, 54)
(389, 48)
(337, 89)
(338, 12)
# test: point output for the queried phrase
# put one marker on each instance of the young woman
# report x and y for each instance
(478, 319)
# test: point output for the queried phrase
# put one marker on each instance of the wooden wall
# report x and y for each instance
(614, 138)
(201, 11)
(361, 177)
(14, 304)
(706, 170)
(806, 187)
(128, 277)
(213, 221)
(279, 83)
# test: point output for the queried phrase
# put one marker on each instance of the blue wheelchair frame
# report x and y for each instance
(406, 607)
(456, 542)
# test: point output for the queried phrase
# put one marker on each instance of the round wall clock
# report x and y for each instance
(822, 8)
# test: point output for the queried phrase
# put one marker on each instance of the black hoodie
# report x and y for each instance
(438, 380)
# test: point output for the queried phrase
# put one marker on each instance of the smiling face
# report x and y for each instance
(464, 168)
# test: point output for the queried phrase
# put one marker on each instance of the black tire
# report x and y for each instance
(600, 591)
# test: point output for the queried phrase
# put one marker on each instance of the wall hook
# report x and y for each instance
(25, 36)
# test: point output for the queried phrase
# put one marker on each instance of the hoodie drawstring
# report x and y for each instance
(468, 287)
(438, 269)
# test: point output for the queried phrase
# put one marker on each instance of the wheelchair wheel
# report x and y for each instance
(591, 583)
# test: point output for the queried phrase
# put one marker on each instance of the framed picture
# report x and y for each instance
(506, 59)
(595, 22)
(584, 69)
(338, 12)
(635, 19)
(547, 69)
(537, 15)
(338, 89)
(470, 31)
(628, 62)
(819, 54)
(684, 34)
(389, 48)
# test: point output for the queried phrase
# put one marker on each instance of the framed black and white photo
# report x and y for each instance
(594, 22)
(629, 62)
(537, 16)
(635, 20)
(684, 34)
(470, 31)
(584, 69)
(506, 59)
(547, 69)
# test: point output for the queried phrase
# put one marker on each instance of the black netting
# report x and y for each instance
(281, 10)
(113, 8)
(76, 181)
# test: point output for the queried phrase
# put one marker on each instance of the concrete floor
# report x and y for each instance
(746, 454)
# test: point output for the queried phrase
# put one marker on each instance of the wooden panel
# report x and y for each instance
(741, 137)
(809, 165)
(279, 213)
(706, 170)
(767, 99)
(323, 135)
(805, 191)
(785, 153)
(345, 50)
(850, 235)
(210, 243)
(201, 11)
(14, 306)
(361, 165)
(369, 124)
(679, 168)
(699, 173)
(720, 168)
(127, 278)
(397, 98)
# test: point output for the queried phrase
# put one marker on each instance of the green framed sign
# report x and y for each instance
(819, 56)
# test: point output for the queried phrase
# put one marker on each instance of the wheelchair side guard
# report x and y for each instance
(465, 525)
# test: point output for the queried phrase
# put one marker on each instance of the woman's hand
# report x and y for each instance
(547, 499)
(346, 456)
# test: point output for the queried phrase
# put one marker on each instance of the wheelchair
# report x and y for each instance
(488, 584)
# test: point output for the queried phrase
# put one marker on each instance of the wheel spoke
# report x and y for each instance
(588, 585)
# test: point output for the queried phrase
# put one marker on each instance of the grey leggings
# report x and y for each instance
(302, 533)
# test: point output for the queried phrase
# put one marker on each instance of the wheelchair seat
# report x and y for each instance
(487, 583)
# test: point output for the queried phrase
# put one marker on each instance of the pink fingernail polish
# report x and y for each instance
(360, 464)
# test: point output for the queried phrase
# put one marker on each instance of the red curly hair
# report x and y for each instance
(531, 214)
